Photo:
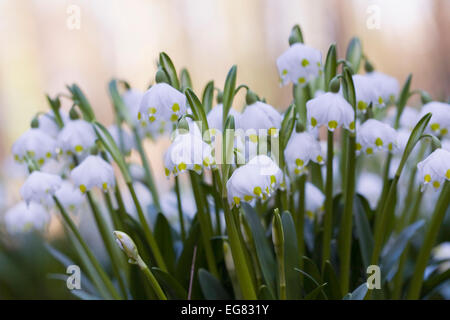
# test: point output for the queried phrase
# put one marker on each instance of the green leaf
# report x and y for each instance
(354, 54)
(363, 230)
(291, 257)
(185, 79)
(81, 100)
(167, 64)
(184, 263)
(330, 66)
(264, 293)
(118, 103)
(433, 282)
(208, 96)
(163, 236)
(334, 288)
(313, 294)
(296, 35)
(392, 253)
(358, 294)
(211, 287)
(349, 88)
(228, 92)
(403, 99)
(197, 109)
(171, 286)
(287, 126)
(263, 250)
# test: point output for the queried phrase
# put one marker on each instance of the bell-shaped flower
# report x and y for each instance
(440, 117)
(122, 138)
(314, 200)
(302, 148)
(35, 144)
(386, 87)
(47, 123)
(260, 116)
(132, 100)
(409, 118)
(215, 117)
(257, 179)
(299, 64)
(40, 187)
(332, 110)
(375, 135)
(366, 93)
(188, 152)
(161, 102)
(77, 137)
(26, 217)
(70, 197)
(435, 169)
(93, 172)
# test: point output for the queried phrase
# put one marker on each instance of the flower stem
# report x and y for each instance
(147, 231)
(151, 279)
(328, 219)
(148, 173)
(88, 251)
(300, 220)
(345, 232)
(430, 237)
(180, 209)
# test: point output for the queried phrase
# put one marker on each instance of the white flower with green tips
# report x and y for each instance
(331, 110)
(132, 100)
(260, 116)
(299, 64)
(70, 197)
(257, 179)
(314, 200)
(188, 152)
(440, 117)
(161, 102)
(302, 148)
(77, 137)
(26, 217)
(366, 93)
(386, 87)
(40, 187)
(375, 135)
(122, 138)
(35, 144)
(93, 172)
(435, 169)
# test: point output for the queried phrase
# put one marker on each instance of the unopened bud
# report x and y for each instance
(250, 97)
(296, 35)
(161, 76)
(127, 245)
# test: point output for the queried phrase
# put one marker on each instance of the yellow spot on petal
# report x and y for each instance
(301, 80)
(248, 198)
(151, 118)
(436, 184)
(319, 158)
(378, 142)
(358, 146)
(82, 188)
(182, 166)
(79, 148)
(427, 178)
(332, 124)
(390, 146)
(362, 105)
(257, 191)
(310, 214)
(151, 110)
(143, 124)
(167, 172)
(16, 157)
(105, 186)
(48, 154)
(273, 180)
(253, 138)
(237, 200)
(41, 161)
(380, 100)
(206, 162)
(352, 125)
(175, 107)
(197, 167)
(435, 126)
(139, 116)
(297, 171)
(284, 72)
(173, 117)
(305, 62)
(299, 162)
(272, 131)
(447, 174)
(369, 150)
(313, 121)
(444, 132)
(31, 153)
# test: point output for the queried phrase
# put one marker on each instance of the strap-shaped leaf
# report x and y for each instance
(354, 54)
(81, 100)
(208, 96)
(171, 286)
(228, 92)
(291, 257)
(330, 66)
(118, 103)
(403, 99)
(168, 66)
(363, 230)
(197, 108)
(185, 79)
(211, 287)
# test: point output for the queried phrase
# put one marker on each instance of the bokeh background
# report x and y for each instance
(44, 47)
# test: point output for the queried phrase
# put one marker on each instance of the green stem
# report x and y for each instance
(88, 251)
(430, 237)
(300, 219)
(328, 219)
(345, 232)
(151, 279)
(180, 209)
(147, 231)
(113, 213)
(148, 173)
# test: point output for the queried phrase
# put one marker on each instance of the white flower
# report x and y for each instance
(77, 137)
(47, 123)
(314, 200)
(215, 117)
(440, 118)
(435, 169)
(366, 93)
(373, 135)
(409, 118)
(260, 116)
(122, 138)
(402, 139)
(446, 144)
(299, 64)
(35, 144)
(132, 100)
(23, 218)
(69, 197)
(386, 87)
(369, 185)
(40, 187)
(127, 245)
(188, 152)
(161, 103)
(257, 179)
(331, 110)
(302, 148)
(93, 172)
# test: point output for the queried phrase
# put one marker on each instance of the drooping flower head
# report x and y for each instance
(188, 152)
(215, 117)
(122, 138)
(435, 169)
(440, 116)
(332, 110)
(366, 92)
(314, 200)
(409, 118)
(257, 179)
(77, 137)
(375, 135)
(299, 64)
(26, 217)
(260, 116)
(302, 148)
(47, 123)
(35, 144)
(40, 187)
(386, 87)
(70, 197)
(93, 172)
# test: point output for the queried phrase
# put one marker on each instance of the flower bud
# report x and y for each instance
(296, 35)
(73, 114)
(219, 97)
(250, 97)
(127, 245)
(277, 231)
(35, 123)
(368, 67)
(161, 76)
(335, 85)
